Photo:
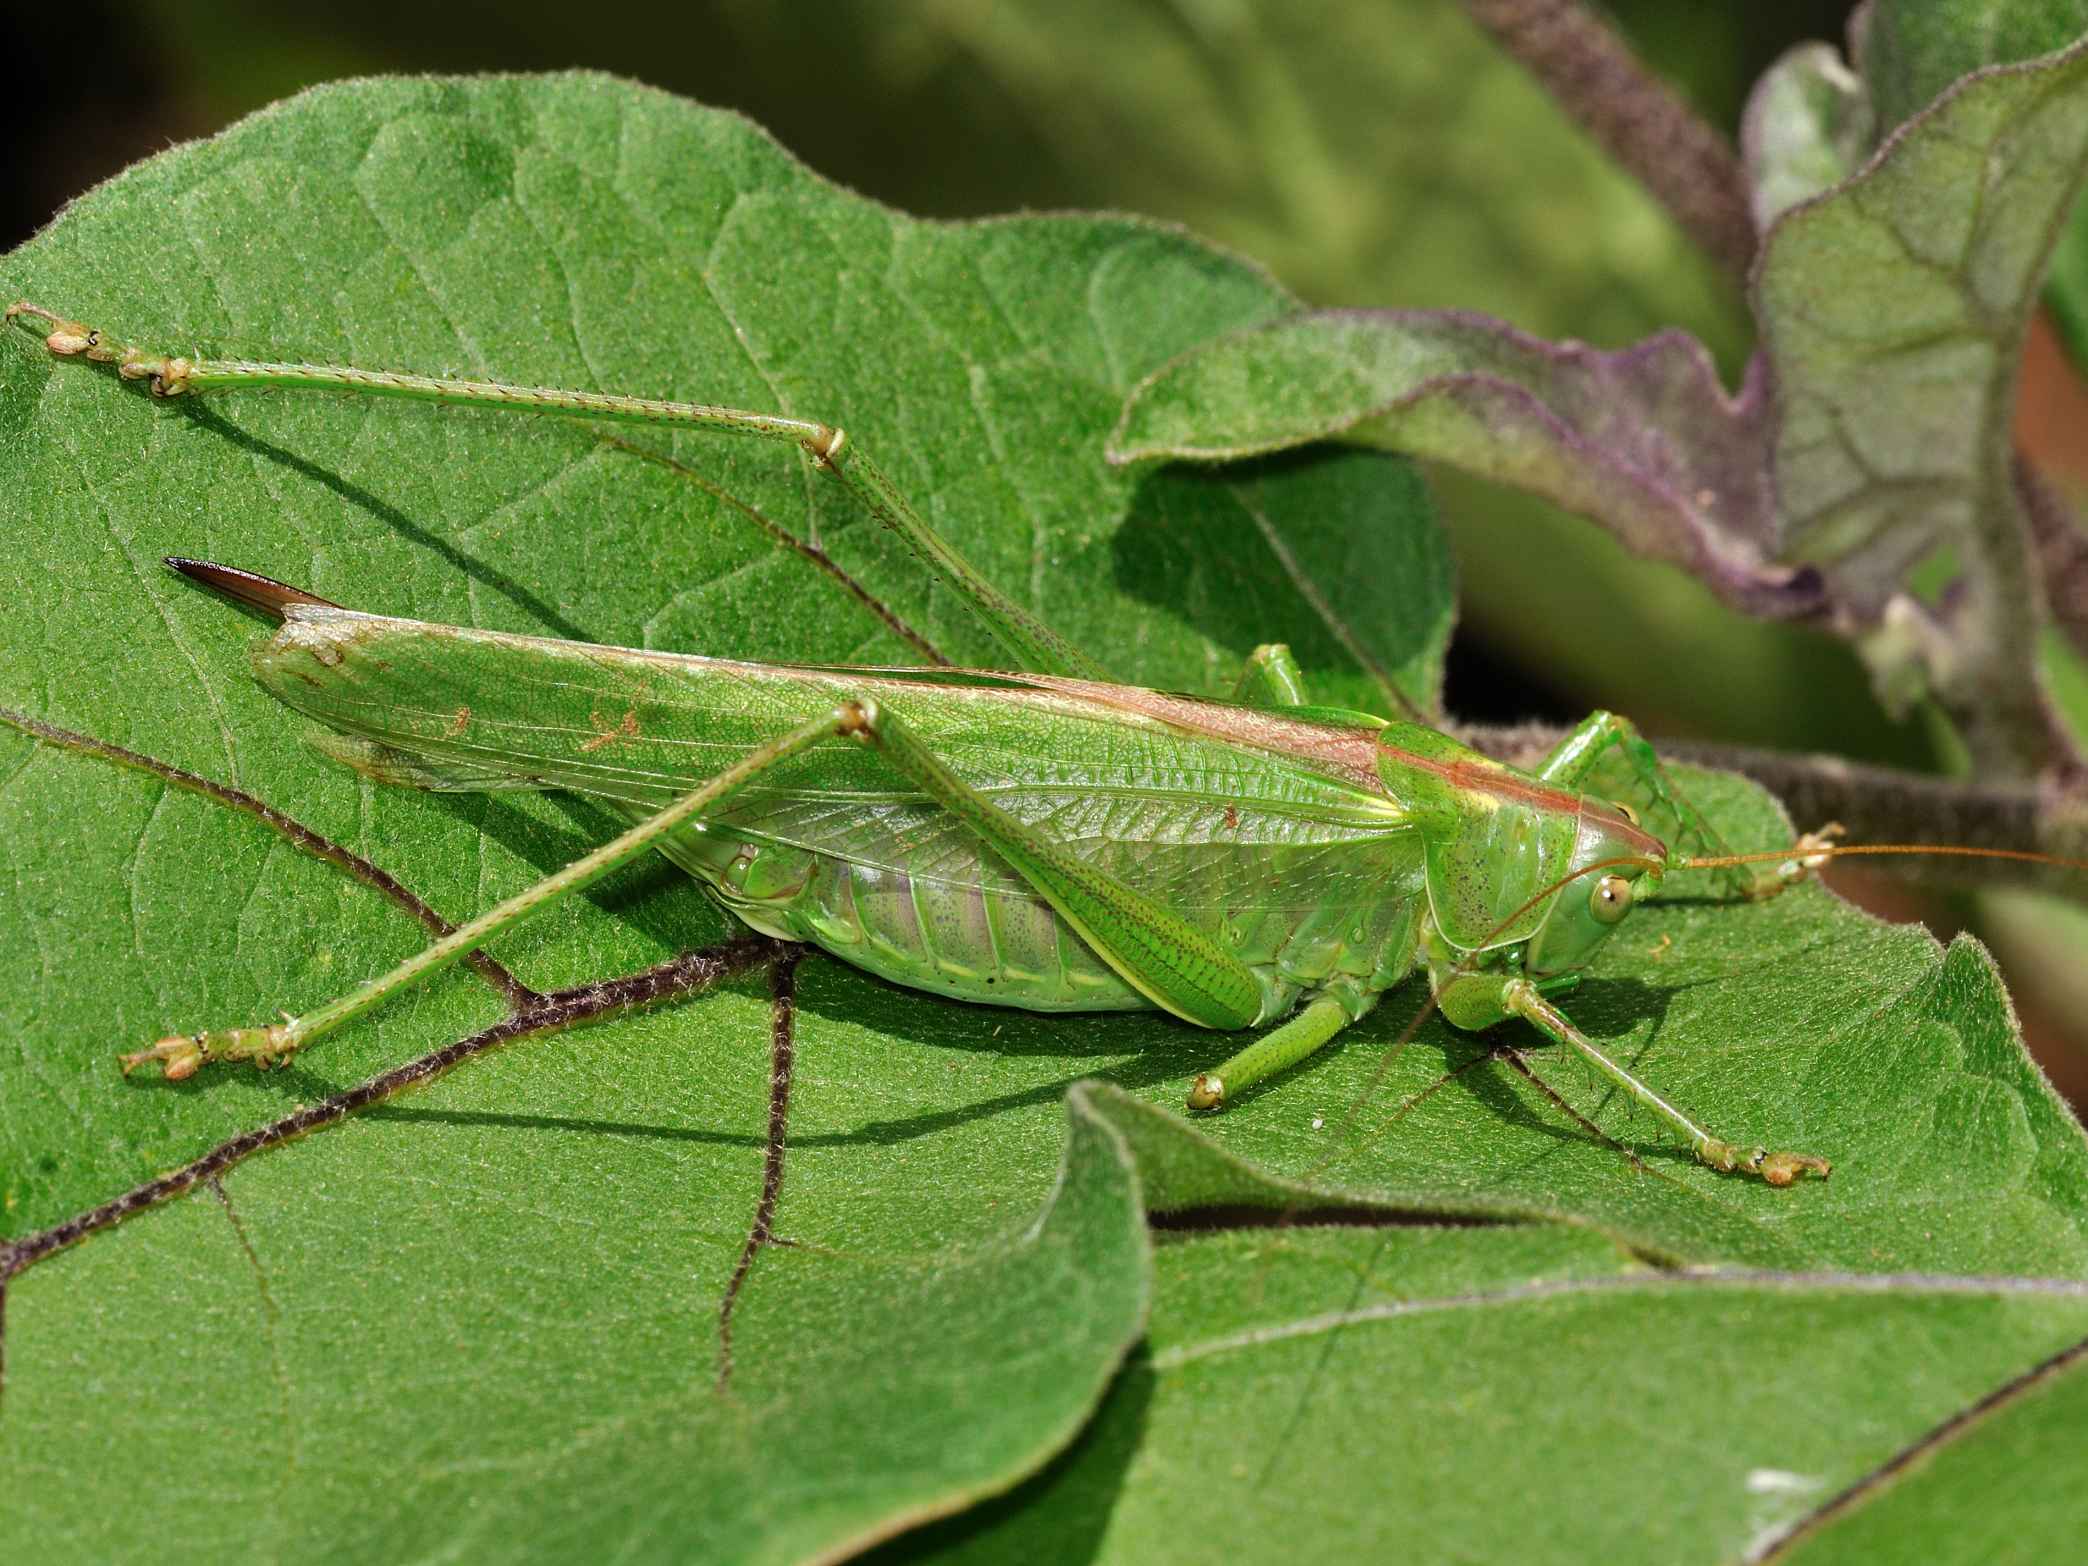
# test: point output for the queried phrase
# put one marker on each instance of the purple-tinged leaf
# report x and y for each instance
(1645, 440)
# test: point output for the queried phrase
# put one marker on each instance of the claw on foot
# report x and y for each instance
(66, 337)
(1777, 1169)
(169, 376)
(1782, 1169)
(179, 1054)
(1207, 1092)
(1807, 859)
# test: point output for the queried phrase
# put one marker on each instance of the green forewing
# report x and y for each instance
(1214, 828)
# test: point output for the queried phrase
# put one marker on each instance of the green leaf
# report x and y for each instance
(386, 1388)
(1645, 441)
(1810, 118)
(487, 1316)
(1621, 1415)
(1893, 313)
(1911, 50)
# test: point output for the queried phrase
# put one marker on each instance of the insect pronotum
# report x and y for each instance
(1341, 854)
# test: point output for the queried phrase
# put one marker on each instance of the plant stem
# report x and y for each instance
(2062, 550)
(1645, 125)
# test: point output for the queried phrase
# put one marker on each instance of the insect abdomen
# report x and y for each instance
(982, 935)
(1003, 946)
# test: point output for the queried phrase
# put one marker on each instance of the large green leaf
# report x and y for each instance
(1520, 1394)
(486, 1318)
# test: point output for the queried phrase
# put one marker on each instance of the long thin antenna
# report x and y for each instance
(1816, 851)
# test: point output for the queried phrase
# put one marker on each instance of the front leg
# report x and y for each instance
(1520, 998)
(1476, 1001)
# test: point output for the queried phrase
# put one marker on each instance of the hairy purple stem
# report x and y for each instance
(1640, 121)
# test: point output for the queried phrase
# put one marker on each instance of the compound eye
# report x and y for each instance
(1611, 899)
(1626, 811)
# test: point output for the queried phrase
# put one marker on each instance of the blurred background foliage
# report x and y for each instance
(1368, 152)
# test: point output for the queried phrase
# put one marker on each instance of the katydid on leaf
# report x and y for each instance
(1038, 836)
